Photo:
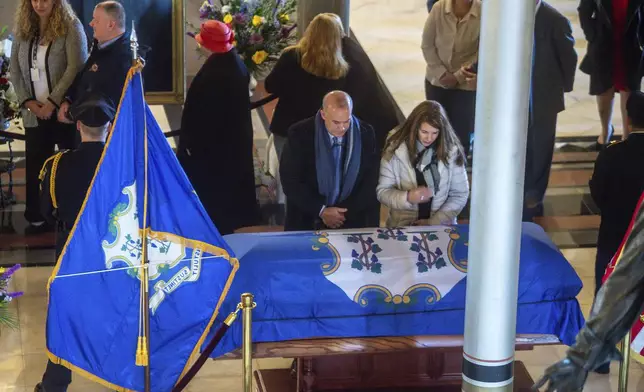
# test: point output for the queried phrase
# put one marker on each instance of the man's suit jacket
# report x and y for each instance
(299, 180)
(555, 61)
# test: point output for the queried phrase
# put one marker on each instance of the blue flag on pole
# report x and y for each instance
(95, 316)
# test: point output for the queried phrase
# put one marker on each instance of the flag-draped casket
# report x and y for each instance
(387, 282)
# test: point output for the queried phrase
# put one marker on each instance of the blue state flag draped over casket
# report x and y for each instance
(388, 282)
(95, 316)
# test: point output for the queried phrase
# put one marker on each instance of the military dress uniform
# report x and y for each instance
(616, 186)
(64, 181)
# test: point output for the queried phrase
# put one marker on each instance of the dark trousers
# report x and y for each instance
(539, 151)
(39, 143)
(56, 378)
(460, 106)
(603, 258)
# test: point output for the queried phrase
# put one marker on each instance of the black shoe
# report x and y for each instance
(38, 229)
(39, 388)
(603, 369)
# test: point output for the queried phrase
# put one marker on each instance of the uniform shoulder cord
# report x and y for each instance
(52, 177)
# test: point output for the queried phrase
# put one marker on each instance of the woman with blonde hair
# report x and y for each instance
(423, 179)
(305, 73)
(50, 48)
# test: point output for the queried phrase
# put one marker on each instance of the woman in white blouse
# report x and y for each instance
(50, 49)
(423, 179)
(450, 47)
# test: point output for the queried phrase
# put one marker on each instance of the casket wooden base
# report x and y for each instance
(413, 372)
(385, 364)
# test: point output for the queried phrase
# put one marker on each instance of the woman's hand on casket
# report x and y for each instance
(563, 376)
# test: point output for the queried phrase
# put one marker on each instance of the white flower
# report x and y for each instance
(5, 47)
(225, 9)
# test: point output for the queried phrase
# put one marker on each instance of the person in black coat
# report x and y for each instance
(216, 139)
(109, 61)
(300, 87)
(616, 186)
(553, 74)
(614, 30)
(64, 181)
(329, 168)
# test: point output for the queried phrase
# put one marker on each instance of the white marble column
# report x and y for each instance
(503, 92)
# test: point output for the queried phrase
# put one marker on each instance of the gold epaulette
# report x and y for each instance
(52, 177)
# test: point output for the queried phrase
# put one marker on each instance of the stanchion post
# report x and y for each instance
(247, 305)
(623, 366)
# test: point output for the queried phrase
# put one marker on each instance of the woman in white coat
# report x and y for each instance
(423, 179)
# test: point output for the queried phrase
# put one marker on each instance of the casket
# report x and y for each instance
(383, 308)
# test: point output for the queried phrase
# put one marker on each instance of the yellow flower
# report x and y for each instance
(284, 18)
(258, 20)
(235, 43)
(228, 18)
(259, 57)
(2, 270)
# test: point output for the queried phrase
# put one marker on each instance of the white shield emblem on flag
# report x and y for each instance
(395, 265)
(123, 248)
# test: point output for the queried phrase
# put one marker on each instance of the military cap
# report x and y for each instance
(95, 111)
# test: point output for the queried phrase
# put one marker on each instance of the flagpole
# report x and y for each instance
(144, 354)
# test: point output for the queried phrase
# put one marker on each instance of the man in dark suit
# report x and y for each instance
(329, 169)
(109, 61)
(553, 74)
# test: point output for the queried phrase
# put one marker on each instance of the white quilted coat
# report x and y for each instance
(397, 176)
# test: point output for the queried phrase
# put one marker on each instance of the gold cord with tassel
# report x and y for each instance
(142, 352)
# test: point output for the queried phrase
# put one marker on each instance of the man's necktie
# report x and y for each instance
(337, 160)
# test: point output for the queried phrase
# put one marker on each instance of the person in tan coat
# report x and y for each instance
(423, 179)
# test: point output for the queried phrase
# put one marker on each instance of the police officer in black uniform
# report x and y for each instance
(616, 186)
(109, 61)
(65, 179)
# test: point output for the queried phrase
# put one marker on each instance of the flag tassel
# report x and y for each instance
(142, 352)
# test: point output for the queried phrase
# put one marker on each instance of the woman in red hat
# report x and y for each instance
(216, 142)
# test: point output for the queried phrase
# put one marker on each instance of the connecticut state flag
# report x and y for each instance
(637, 332)
(95, 319)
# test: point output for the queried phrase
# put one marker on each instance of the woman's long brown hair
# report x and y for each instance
(28, 24)
(432, 113)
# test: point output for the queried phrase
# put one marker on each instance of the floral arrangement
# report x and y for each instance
(262, 28)
(9, 105)
(7, 319)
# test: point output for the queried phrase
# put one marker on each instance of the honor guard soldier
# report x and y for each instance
(616, 186)
(66, 176)
(109, 61)
(65, 179)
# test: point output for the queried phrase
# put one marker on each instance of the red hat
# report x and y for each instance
(216, 36)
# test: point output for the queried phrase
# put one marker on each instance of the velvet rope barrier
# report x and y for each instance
(194, 369)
